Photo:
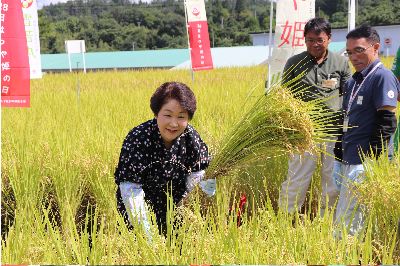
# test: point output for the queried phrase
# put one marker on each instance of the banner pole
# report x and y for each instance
(188, 41)
(271, 14)
(352, 15)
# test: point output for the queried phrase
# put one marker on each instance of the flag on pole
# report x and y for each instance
(29, 10)
(199, 40)
(291, 17)
(15, 77)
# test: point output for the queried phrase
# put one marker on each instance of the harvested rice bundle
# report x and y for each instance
(278, 123)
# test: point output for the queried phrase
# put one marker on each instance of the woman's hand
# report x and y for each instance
(193, 179)
(209, 186)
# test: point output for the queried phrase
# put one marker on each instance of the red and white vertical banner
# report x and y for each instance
(199, 40)
(291, 17)
(29, 10)
(15, 77)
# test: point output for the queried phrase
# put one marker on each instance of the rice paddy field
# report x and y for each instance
(58, 192)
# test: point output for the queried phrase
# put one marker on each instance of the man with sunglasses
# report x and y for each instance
(323, 75)
(369, 120)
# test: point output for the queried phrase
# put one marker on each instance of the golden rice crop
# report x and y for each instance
(380, 191)
(58, 159)
(276, 124)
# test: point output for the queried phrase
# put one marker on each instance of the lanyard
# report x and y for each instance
(354, 94)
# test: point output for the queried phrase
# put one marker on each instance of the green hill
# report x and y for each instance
(108, 25)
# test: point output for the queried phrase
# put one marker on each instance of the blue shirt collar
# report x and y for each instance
(359, 76)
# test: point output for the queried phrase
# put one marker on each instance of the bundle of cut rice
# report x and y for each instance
(278, 123)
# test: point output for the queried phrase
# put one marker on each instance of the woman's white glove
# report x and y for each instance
(193, 179)
(132, 196)
(209, 186)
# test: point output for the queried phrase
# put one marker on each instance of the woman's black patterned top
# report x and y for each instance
(145, 160)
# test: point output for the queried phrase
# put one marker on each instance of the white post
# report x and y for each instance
(352, 15)
(69, 58)
(83, 56)
(84, 63)
(271, 14)
(69, 62)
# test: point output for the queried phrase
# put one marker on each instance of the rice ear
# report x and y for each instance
(276, 124)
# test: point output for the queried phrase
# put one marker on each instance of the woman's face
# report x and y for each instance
(172, 121)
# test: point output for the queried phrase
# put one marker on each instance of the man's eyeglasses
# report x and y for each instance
(317, 41)
(357, 51)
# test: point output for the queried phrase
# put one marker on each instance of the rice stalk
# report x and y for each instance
(57, 142)
(381, 189)
(276, 124)
(380, 193)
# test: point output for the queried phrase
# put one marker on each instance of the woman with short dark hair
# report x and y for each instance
(177, 91)
(160, 156)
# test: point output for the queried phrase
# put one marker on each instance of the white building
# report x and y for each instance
(388, 33)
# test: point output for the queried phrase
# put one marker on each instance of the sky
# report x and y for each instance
(42, 3)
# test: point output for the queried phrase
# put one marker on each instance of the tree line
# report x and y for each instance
(120, 25)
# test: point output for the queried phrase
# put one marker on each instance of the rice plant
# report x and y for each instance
(58, 191)
(380, 193)
(276, 124)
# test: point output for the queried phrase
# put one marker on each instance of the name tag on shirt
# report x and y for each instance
(329, 83)
(360, 100)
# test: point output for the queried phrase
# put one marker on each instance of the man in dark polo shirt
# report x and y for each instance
(324, 76)
(369, 104)
(396, 72)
